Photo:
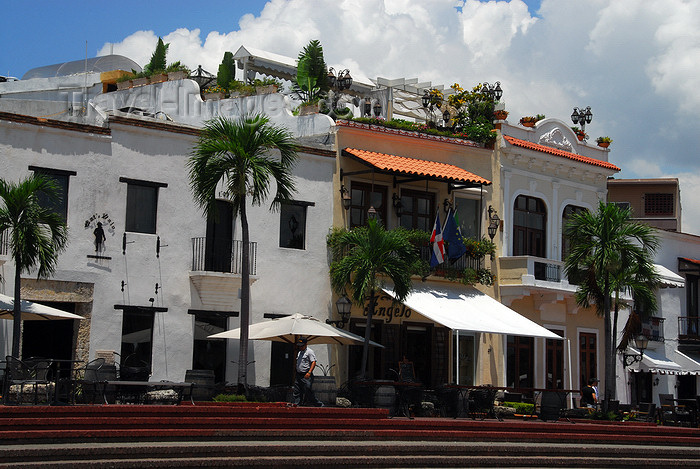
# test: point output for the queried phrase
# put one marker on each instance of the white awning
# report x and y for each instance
(657, 362)
(668, 278)
(32, 311)
(467, 309)
(690, 362)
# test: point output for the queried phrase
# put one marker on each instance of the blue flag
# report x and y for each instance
(453, 237)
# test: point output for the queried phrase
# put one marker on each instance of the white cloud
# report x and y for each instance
(634, 62)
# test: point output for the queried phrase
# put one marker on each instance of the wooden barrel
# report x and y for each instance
(385, 396)
(325, 389)
(204, 384)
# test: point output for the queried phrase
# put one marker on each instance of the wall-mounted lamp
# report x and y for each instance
(396, 202)
(447, 205)
(640, 342)
(372, 213)
(368, 107)
(494, 222)
(377, 108)
(347, 198)
(656, 382)
(343, 305)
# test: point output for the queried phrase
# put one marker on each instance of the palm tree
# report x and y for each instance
(611, 254)
(36, 234)
(364, 255)
(236, 152)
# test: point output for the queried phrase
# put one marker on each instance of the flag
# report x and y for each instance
(453, 237)
(438, 255)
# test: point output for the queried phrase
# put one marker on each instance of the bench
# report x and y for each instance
(138, 391)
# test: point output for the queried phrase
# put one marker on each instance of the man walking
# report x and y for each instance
(304, 380)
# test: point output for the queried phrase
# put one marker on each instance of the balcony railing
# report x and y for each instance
(517, 269)
(218, 259)
(653, 329)
(688, 328)
(460, 264)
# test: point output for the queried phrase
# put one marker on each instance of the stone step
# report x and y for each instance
(342, 453)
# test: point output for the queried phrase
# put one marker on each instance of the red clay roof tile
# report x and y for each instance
(413, 166)
(554, 151)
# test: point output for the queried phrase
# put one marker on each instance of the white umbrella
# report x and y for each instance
(32, 311)
(289, 328)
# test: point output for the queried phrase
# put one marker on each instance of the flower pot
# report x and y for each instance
(604, 144)
(124, 85)
(213, 96)
(500, 115)
(158, 78)
(528, 124)
(179, 75)
(305, 110)
(581, 137)
(140, 81)
(268, 89)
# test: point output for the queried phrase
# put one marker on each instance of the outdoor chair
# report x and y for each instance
(552, 405)
(448, 401)
(480, 403)
(670, 413)
(89, 381)
(646, 411)
(20, 374)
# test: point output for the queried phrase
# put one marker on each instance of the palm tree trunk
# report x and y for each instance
(17, 319)
(245, 302)
(609, 358)
(613, 351)
(368, 335)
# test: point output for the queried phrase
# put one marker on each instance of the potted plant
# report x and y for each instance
(158, 77)
(214, 92)
(500, 114)
(177, 71)
(125, 81)
(603, 142)
(239, 88)
(267, 85)
(580, 134)
(528, 121)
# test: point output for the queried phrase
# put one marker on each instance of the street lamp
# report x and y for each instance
(492, 91)
(640, 342)
(347, 198)
(343, 306)
(582, 117)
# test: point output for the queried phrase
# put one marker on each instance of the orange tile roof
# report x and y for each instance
(554, 151)
(690, 261)
(413, 166)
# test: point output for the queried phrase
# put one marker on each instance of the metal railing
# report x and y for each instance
(688, 328)
(547, 271)
(217, 259)
(460, 264)
(653, 329)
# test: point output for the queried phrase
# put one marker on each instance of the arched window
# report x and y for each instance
(529, 225)
(569, 211)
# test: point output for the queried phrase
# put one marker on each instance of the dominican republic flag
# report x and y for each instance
(438, 255)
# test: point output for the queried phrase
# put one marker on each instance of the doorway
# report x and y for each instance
(219, 243)
(50, 339)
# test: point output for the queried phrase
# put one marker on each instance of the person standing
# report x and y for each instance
(304, 378)
(589, 396)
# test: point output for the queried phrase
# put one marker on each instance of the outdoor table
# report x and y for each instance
(64, 380)
(180, 387)
(403, 390)
(485, 403)
(690, 406)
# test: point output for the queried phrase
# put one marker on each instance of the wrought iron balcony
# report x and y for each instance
(456, 265)
(524, 270)
(4, 243)
(221, 258)
(653, 329)
(688, 329)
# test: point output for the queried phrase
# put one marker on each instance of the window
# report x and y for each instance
(529, 224)
(520, 362)
(141, 205)
(293, 224)
(137, 337)
(418, 210)
(658, 204)
(468, 217)
(362, 197)
(555, 362)
(622, 205)
(60, 178)
(588, 352)
(569, 211)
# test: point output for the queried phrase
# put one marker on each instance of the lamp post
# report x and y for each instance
(582, 117)
(338, 83)
(343, 305)
(492, 91)
(641, 343)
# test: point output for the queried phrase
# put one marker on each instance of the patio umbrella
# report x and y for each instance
(289, 328)
(32, 311)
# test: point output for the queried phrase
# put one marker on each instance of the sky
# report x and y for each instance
(636, 63)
